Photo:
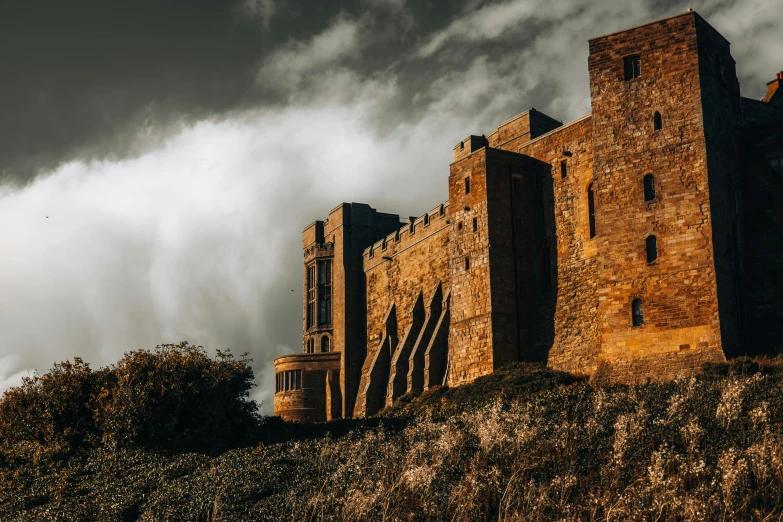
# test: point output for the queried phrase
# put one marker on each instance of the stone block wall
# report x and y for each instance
(679, 290)
(577, 336)
(401, 268)
(309, 403)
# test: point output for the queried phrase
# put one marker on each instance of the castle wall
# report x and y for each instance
(681, 326)
(574, 317)
(721, 114)
(761, 234)
(399, 267)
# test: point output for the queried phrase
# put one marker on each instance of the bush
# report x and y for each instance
(173, 397)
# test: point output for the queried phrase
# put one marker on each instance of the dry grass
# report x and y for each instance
(525, 444)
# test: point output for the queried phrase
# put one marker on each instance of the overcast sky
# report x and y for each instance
(159, 158)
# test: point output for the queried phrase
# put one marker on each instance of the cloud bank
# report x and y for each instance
(176, 196)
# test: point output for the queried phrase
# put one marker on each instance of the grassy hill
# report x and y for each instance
(525, 443)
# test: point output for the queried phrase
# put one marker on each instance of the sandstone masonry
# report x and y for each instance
(631, 245)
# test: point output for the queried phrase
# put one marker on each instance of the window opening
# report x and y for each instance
(652, 249)
(636, 312)
(591, 210)
(467, 185)
(649, 187)
(633, 67)
(324, 293)
(475, 224)
(657, 121)
(325, 343)
(467, 263)
(426, 219)
(563, 169)
(311, 292)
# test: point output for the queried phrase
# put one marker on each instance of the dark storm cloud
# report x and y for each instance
(179, 147)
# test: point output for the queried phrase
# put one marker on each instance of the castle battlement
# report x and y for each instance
(417, 229)
(629, 245)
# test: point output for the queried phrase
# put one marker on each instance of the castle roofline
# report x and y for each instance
(554, 131)
(687, 13)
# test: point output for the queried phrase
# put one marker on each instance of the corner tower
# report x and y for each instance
(665, 106)
(321, 383)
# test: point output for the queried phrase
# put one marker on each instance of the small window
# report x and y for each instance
(426, 219)
(591, 210)
(475, 224)
(649, 187)
(467, 263)
(776, 164)
(517, 186)
(397, 236)
(459, 225)
(657, 121)
(371, 253)
(467, 185)
(652, 249)
(633, 67)
(442, 210)
(462, 145)
(563, 169)
(412, 227)
(637, 317)
(325, 344)
(383, 244)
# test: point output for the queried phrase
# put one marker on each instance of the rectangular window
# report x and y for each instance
(633, 67)
(324, 293)
(311, 289)
(467, 185)
(563, 169)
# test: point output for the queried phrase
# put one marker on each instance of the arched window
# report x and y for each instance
(657, 121)
(636, 312)
(652, 249)
(649, 187)
(591, 210)
(325, 343)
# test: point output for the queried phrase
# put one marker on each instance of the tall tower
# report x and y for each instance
(665, 106)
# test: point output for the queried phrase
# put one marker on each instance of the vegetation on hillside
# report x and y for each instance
(525, 443)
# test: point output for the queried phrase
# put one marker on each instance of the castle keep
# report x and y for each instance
(630, 245)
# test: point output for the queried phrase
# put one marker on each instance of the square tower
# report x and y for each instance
(665, 106)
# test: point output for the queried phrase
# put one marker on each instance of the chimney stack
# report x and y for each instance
(774, 89)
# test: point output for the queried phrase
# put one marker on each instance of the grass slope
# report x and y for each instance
(525, 443)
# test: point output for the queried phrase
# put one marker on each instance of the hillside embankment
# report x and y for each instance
(170, 434)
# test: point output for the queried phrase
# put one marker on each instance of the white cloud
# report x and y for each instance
(286, 68)
(262, 10)
(9, 375)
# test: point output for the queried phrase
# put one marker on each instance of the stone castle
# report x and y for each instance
(631, 245)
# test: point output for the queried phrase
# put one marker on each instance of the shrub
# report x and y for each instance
(173, 397)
